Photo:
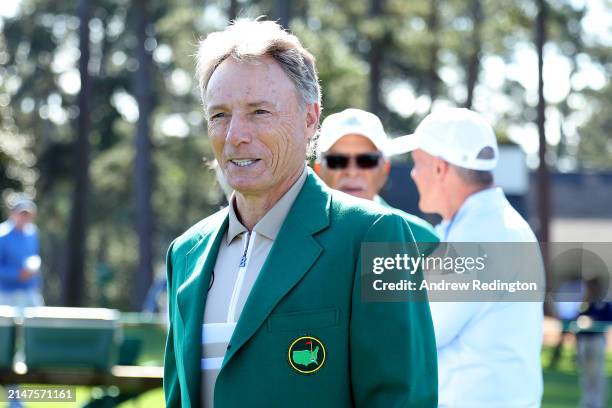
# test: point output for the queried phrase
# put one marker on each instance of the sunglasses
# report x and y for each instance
(336, 161)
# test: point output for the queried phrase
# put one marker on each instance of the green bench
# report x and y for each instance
(84, 347)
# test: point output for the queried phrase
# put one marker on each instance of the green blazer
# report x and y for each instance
(367, 354)
(424, 233)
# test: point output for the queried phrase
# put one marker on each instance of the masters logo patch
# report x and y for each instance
(306, 354)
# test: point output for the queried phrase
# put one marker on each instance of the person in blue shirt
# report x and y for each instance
(20, 262)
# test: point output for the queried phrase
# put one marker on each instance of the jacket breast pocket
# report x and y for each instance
(303, 320)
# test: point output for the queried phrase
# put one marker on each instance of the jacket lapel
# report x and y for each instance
(191, 298)
(293, 253)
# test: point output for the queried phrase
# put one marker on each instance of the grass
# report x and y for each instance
(150, 399)
(561, 388)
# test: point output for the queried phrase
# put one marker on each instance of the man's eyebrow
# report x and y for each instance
(215, 107)
(258, 103)
(255, 104)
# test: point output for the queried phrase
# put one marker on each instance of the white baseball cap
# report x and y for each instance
(22, 203)
(351, 121)
(457, 135)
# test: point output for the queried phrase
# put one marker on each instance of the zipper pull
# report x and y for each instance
(246, 248)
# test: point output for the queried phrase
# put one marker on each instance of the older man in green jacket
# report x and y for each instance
(265, 296)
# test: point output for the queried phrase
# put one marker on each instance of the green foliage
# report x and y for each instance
(595, 147)
(40, 83)
(17, 171)
(339, 68)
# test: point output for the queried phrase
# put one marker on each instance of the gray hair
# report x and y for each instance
(479, 178)
(247, 40)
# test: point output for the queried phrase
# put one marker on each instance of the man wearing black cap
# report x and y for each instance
(19, 260)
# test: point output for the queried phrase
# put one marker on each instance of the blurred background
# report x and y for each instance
(101, 122)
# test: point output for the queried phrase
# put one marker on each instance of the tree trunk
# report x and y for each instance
(433, 23)
(375, 59)
(473, 67)
(543, 172)
(74, 279)
(144, 214)
(283, 10)
(543, 176)
(232, 13)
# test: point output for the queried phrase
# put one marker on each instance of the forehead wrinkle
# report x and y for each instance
(250, 105)
(354, 142)
(259, 103)
(270, 69)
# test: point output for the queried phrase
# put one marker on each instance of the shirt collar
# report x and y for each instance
(473, 203)
(271, 223)
(486, 197)
(235, 227)
(10, 226)
(6, 227)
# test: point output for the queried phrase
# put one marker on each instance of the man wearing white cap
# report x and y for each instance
(488, 353)
(352, 157)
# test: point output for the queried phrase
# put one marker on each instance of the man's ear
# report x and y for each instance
(387, 166)
(385, 172)
(444, 168)
(313, 112)
(316, 166)
(440, 167)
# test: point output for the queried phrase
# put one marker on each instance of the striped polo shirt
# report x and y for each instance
(241, 256)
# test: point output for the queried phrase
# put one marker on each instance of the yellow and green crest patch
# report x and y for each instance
(306, 354)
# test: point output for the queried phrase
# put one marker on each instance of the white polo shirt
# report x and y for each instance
(488, 352)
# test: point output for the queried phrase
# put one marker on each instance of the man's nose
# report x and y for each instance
(352, 169)
(239, 130)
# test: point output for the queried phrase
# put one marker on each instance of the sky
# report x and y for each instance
(489, 98)
(9, 8)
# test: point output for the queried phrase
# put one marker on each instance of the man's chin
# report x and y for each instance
(356, 193)
(239, 178)
(244, 184)
(427, 208)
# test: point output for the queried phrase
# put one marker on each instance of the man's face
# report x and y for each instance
(258, 130)
(353, 179)
(22, 218)
(426, 179)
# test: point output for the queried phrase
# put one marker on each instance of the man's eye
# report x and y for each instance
(261, 112)
(218, 115)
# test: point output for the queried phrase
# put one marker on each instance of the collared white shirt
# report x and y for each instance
(488, 352)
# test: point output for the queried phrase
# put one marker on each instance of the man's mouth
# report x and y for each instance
(352, 190)
(243, 162)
